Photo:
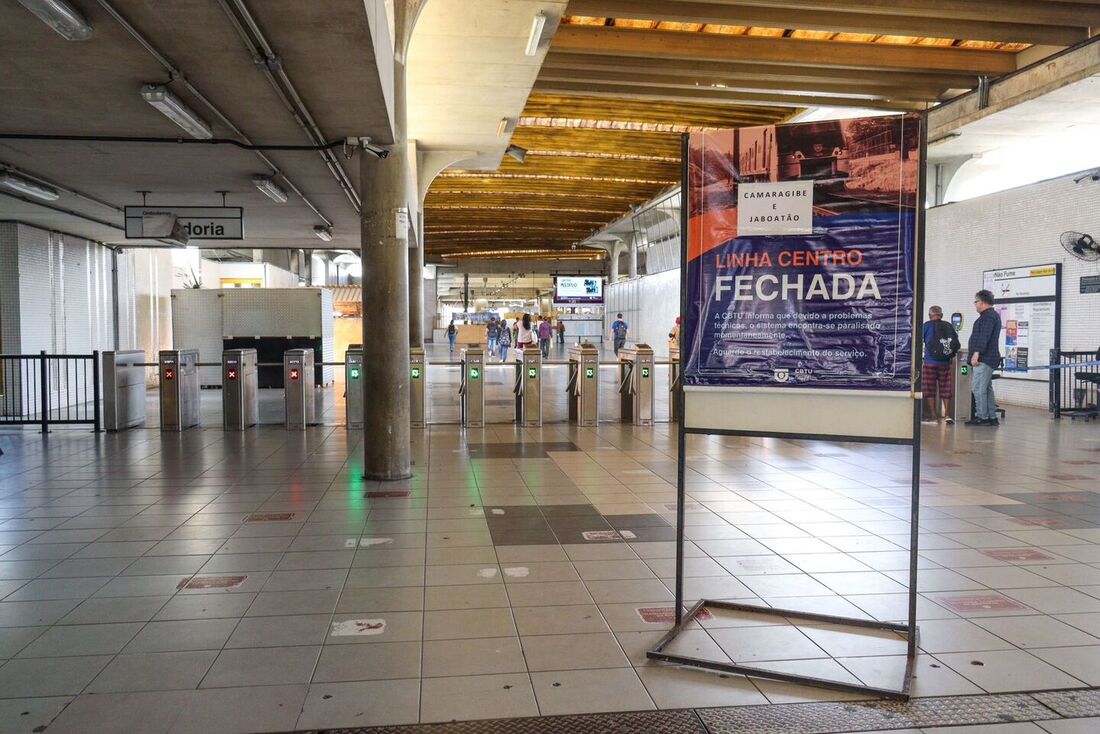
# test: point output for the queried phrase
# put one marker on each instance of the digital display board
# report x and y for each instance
(578, 289)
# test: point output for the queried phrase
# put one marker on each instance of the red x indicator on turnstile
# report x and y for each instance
(294, 374)
(231, 374)
(169, 374)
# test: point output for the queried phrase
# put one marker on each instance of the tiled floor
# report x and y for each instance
(247, 582)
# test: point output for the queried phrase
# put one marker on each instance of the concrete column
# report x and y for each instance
(416, 294)
(632, 256)
(384, 183)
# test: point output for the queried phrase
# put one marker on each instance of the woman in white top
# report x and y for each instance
(526, 336)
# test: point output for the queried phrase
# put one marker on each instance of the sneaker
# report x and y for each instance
(993, 422)
(929, 421)
(976, 422)
(950, 421)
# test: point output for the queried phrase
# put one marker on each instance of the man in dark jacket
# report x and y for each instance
(985, 356)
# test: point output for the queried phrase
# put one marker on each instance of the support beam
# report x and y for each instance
(558, 60)
(711, 95)
(990, 28)
(717, 47)
(732, 83)
(1039, 12)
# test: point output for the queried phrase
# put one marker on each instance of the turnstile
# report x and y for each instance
(636, 398)
(964, 398)
(418, 378)
(353, 386)
(298, 381)
(123, 390)
(471, 387)
(179, 389)
(673, 384)
(583, 387)
(240, 381)
(528, 388)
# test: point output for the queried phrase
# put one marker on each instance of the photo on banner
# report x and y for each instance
(800, 262)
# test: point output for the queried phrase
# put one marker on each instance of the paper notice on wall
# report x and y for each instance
(775, 208)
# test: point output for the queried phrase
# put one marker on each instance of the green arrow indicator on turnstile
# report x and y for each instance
(645, 372)
(965, 369)
(354, 373)
(532, 372)
(589, 372)
(416, 373)
(475, 373)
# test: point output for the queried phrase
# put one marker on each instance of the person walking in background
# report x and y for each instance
(618, 333)
(504, 339)
(492, 332)
(674, 335)
(525, 337)
(985, 356)
(545, 335)
(941, 344)
(452, 335)
(561, 331)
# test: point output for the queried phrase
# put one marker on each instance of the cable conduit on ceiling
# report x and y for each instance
(265, 58)
(178, 76)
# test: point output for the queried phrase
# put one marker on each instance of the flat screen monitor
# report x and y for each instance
(578, 289)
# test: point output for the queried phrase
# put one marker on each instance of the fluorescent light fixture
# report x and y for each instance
(62, 17)
(26, 186)
(270, 189)
(507, 125)
(175, 110)
(538, 24)
(323, 233)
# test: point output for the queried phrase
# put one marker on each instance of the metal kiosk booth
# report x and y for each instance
(240, 381)
(353, 386)
(179, 389)
(673, 384)
(298, 379)
(583, 387)
(528, 388)
(636, 398)
(471, 387)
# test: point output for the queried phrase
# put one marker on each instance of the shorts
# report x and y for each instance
(933, 375)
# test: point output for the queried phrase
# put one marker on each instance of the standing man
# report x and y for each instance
(618, 333)
(561, 331)
(941, 344)
(985, 356)
(492, 331)
(545, 333)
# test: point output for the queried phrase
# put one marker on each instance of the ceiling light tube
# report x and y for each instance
(270, 189)
(62, 17)
(175, 110)
(538, 24)
(323, 233)
(11, 181)
(506, 126)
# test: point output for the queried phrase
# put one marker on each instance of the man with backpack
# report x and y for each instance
(941, 344)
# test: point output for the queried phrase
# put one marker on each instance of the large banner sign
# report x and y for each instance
(800, 254)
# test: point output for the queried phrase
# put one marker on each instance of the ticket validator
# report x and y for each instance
(240, 382)
(528, 388)
(472, 386)
(964, 399)
(179, 389)
(583, 386)
(353, 386)
(636, 394)
(298, 381)
(418, 381)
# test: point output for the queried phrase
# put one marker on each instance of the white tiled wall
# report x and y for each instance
(649, 305)
(1016, 228)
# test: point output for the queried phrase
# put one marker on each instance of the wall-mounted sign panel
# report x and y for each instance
(1028, 302)
(199, 222)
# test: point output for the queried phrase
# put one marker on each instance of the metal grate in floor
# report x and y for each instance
(795, 718)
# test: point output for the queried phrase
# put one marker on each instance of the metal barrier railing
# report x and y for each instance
(1075, 384)
(50, 389)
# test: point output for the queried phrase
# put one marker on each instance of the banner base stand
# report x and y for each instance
(902, 694)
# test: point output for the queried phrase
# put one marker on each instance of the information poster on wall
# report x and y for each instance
(801, 242)
(1027, 300)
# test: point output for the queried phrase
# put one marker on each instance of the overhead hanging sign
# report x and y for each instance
(199, 222)
(801, 251)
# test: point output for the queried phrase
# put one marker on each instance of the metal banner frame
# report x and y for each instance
(908, 629)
